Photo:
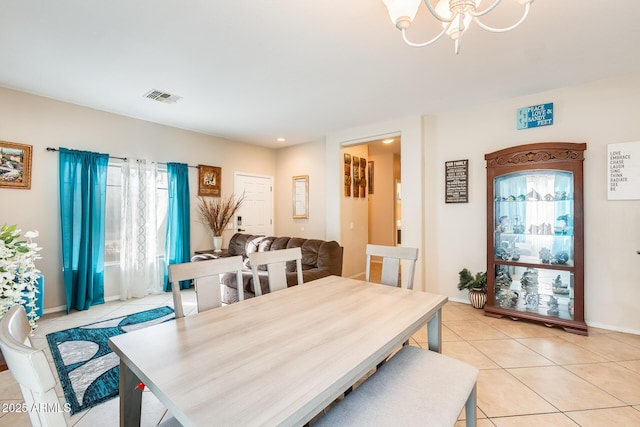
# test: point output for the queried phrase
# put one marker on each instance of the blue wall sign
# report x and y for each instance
(535, 115)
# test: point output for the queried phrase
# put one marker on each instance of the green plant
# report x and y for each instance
(18, 273)
(469, 281)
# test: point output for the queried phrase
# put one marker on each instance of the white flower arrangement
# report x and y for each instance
(18, 272)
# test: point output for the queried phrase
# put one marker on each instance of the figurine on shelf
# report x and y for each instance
(545, 255)
(561, 195)
(553, 306)
(522, 197)
(559, 287)
(515, 255)
(533, 195)
(506, 298)
(532, 301)
(502, 223)
(564, 225)
(560, 258)
(518, 227)
(529, 280)
(548, 197)
(503, 279)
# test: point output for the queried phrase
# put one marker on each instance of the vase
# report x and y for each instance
(217, 243)
(478, 298)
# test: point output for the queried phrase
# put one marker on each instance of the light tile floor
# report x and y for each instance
(530, 375)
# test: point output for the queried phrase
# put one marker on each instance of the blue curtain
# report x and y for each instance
(178, 240)
(83, 192)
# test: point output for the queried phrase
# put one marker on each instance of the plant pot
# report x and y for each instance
(217, 243)
(478, 298)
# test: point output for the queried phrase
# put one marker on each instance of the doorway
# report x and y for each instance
(385, 202)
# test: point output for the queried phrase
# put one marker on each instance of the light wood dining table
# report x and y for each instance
(278, 359)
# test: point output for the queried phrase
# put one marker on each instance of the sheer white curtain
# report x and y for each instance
(139, 266)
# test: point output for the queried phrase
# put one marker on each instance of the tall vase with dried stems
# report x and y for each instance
(217, 213)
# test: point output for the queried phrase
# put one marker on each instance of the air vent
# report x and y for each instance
(164, 97)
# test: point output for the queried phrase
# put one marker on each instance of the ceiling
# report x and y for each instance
(256, 70)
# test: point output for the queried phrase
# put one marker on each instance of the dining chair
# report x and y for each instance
(206, 278)
(391, 257)
(31, 370)
(276, 262)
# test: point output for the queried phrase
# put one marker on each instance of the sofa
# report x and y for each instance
(319, 259)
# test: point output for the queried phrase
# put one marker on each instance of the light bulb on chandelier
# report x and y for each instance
(455, 16)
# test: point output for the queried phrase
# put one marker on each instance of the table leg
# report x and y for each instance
(434, 331)
(130, 397)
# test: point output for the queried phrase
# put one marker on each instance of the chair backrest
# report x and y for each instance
(391, 257)
(30, 368)
(276, 262)
(206, 278)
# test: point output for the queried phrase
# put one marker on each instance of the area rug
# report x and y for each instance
(88, 370)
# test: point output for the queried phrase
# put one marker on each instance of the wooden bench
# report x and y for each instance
(415, 387)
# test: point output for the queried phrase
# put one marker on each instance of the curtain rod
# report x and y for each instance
(120, 158)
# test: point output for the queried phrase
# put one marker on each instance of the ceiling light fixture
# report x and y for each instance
(387, 141)
(455, 16)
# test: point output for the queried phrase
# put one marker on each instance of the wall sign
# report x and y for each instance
(623, 171)
(535, 116)
(457, 181)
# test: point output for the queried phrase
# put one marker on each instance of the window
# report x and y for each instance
(114, 211)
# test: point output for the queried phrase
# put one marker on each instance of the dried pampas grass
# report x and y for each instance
(219, 211)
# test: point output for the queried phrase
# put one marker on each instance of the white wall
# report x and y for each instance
(42, 122)
(303, 159)
(598, 113)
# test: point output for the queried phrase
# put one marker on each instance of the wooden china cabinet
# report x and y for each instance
(535, 234)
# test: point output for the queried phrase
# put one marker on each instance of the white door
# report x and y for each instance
(255, 215)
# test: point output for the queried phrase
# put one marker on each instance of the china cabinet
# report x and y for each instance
(535, 248)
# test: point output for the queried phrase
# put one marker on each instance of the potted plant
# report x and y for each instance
(18, 273)
(217, 213)
(477, 286)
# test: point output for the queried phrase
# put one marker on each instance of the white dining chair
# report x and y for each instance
(31, 370)
(391, 257)
(276, 262)
(206, 279)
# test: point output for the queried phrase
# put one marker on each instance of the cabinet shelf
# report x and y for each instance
(535, 245)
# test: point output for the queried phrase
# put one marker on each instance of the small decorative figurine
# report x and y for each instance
(502, 223)
(503, 279)
(533, 195)
(560, 258)
(529, 280)
(553, 306)
(548, 197)
(559, 287)
(545, 255)
(561, 195)
(518, 227)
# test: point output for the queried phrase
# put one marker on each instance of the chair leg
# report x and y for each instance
(470, 409)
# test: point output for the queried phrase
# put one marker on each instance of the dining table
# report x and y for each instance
(278, 359)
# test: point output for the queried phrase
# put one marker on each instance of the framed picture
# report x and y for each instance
(15, 165)
(209, 181)
(370, 176)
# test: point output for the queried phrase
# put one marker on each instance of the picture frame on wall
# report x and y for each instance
(209, 181)
(15, 165)
(370, 176)
(347, 175)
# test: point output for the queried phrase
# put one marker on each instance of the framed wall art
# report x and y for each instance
(15, 165)
(347, 175)
(209, 181)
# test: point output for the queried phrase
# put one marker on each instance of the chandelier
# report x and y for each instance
(455, 16)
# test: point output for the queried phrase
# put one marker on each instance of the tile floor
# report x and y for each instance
(530, 375)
